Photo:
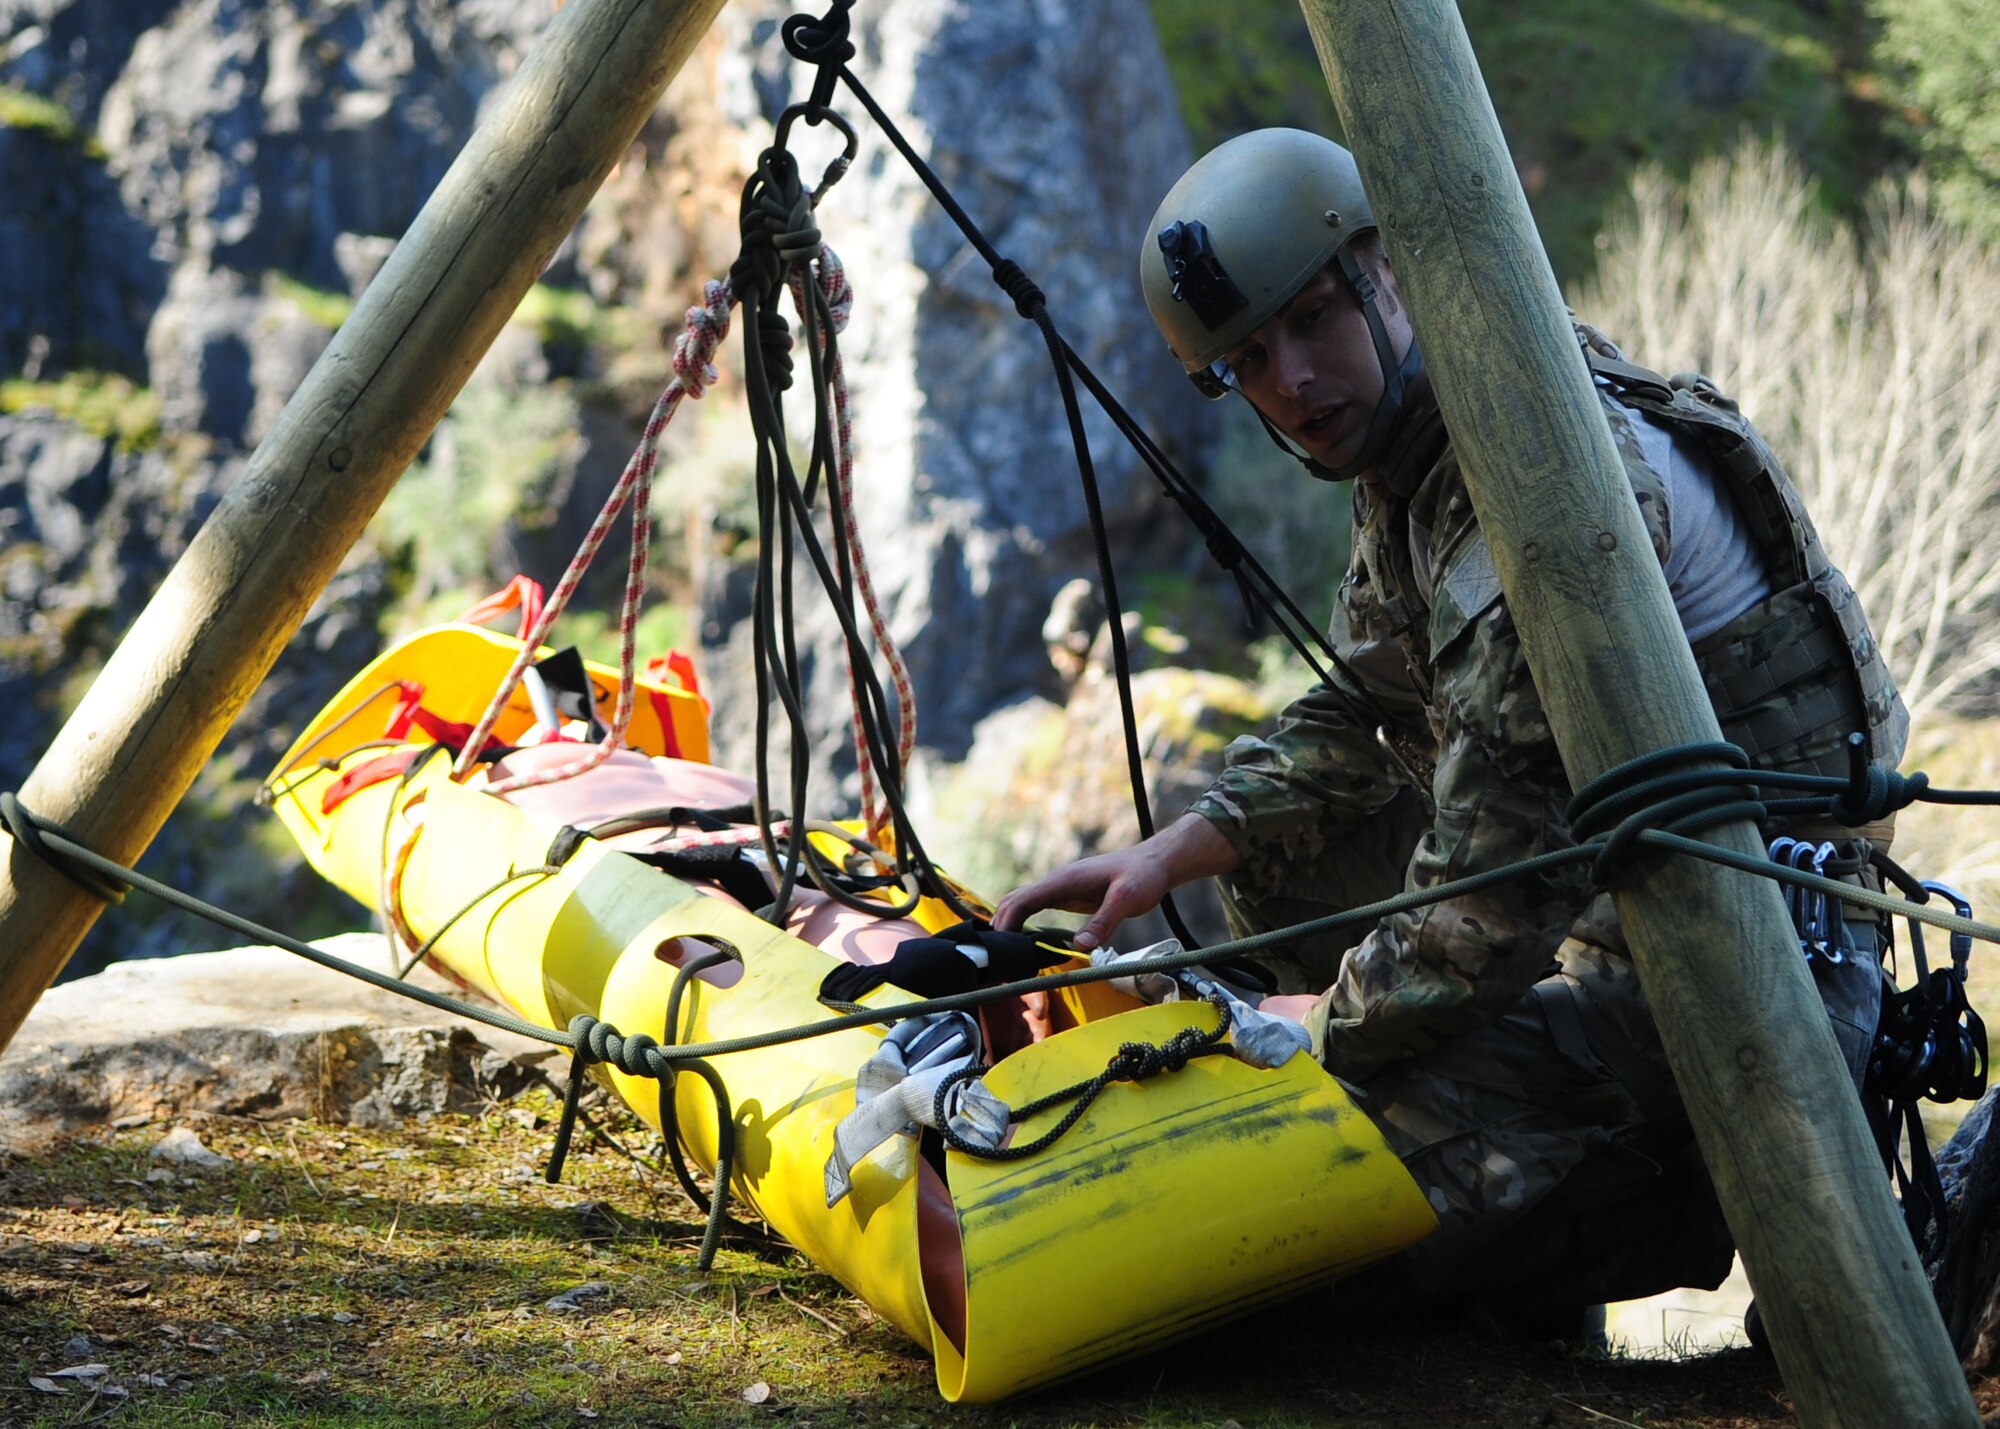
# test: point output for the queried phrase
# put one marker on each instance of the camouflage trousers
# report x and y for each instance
(1552, 1142)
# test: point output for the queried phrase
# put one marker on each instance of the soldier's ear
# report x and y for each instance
(1389, 294)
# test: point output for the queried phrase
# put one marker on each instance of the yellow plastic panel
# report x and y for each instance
(1200, 1195)
(585, 940)
(460, 666)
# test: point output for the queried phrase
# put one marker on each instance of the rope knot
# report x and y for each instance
(777, 227)
(822, 42)
(1137, 1061)
(591, 1042)
(1875, 793)
(1028, 298)
(1657, 791)
(596, 1041)
(27, 831)
(779, 239)
(705, 328)
(1225, 549)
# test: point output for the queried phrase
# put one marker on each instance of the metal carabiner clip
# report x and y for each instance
(816, 114)
(1780, 852)
(1961, 943)
(1810, 904)
(1825, 943)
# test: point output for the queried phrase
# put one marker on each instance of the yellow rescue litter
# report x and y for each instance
(1173, 1204)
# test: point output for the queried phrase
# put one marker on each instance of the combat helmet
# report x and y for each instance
(1236, 238)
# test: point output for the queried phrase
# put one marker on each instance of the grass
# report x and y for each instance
(401, 1277)
(327, 308)
(101, 403)
(33, 113)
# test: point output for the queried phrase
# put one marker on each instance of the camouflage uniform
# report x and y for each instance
(1502, 1040)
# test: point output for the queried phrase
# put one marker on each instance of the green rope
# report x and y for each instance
(658, 1059)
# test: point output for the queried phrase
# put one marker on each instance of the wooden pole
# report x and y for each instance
(201, 646)
(1850, 1317)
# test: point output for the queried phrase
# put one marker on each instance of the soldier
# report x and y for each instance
(1501, 1040)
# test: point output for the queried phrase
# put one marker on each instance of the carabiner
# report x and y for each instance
(816, 114)
(1780, 852)
(1961, 943)
(1824, 943)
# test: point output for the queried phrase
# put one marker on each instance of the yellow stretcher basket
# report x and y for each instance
(1173, 1204)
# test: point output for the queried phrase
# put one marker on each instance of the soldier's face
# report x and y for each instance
(1312, 368)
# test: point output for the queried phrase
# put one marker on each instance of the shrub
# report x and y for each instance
(1872, 362)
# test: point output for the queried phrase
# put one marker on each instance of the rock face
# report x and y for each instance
(249, 1032)
(1054, 125)
(205, 187)
(202, 186)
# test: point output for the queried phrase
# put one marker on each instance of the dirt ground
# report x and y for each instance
(427, 1276)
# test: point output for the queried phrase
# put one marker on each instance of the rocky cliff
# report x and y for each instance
(203, 187)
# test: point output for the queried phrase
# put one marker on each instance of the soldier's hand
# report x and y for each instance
(1112, 887)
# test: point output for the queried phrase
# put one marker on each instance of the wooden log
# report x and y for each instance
(201, 646)
(1855, 1331)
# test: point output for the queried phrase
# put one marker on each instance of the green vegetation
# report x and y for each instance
(101, 403)
(1583, 90)
(560, 315)
(1943, 59)
(571, 322)
(328, 309)
(38, 114)
(662, 627)
(497, 459)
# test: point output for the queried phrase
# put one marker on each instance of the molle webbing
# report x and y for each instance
(1782, 678)
(1795, 673)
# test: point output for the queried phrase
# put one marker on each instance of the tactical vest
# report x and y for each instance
(1791, 677)
(1795, 674)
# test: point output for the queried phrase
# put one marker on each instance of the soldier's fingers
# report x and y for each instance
(1013, 910)
(1066, 888)
(1121, 901)
(1136, 886)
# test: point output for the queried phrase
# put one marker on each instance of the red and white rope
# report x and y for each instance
(694, 372)
(741, 835)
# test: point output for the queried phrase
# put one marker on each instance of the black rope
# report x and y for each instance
(27, 832)
(61, 847)
(725, 1132)
(1014, 282)
(1030, 302)
(821, 42)
(1132, 1062)
(780, 243)
(592, 1040)
(1252, 579)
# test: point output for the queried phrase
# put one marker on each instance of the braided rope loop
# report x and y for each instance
(694, 372)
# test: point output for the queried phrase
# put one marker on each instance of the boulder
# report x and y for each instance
(248, 1032)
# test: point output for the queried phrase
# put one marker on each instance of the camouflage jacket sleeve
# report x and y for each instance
(1423, 977)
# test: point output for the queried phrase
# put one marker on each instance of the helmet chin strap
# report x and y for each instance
(1396, 379)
